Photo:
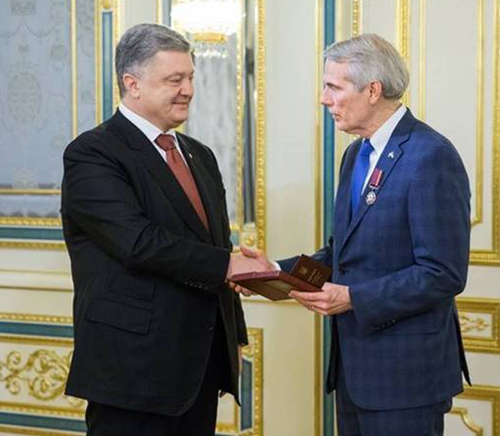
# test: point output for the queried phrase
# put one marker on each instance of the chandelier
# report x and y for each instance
(209, 23)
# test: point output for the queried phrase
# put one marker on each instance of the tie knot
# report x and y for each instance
(166, 142)
(366, 148)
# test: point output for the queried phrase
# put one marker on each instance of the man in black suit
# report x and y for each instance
(144, 215)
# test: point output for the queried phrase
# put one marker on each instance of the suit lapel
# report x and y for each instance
(152, 161)
(390, 156)
(343, 199)
(208, 191)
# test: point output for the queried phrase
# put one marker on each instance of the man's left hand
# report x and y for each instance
(331, 300)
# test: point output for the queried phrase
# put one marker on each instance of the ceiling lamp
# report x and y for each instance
(209, 23)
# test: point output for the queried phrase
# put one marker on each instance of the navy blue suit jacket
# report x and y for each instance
(404, 258)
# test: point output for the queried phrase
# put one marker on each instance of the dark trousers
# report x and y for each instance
(199, 420)
(417, 421)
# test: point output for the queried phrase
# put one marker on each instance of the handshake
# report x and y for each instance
(332, 299)
(247, 261)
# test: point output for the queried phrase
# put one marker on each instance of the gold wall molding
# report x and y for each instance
(492, 256)
(464, 415)
(5, 429)
(422, 59)
(29, 317)
(470, 322)
(489, 394)
(318, 154)
(357, 17)
(15, 338)
(59, 246)
(319, 375)
(159, 11)
(35, 288)
(74, 72)
(478, 218)
(30, 191)
(30, 222)
(240, 115)
(36, 340)
(318, 224)
(403, 21)
(261, 196)
(101, 6)
(46, 409)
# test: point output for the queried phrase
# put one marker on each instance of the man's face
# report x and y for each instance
(165, 89)
(350, 109)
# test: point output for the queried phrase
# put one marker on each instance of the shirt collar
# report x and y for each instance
(381, 137)
(146, 127)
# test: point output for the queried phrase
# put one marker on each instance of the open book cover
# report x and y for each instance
(306, 275)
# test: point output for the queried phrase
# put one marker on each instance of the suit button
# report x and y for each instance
(210, 327)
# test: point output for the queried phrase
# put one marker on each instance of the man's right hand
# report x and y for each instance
(247, 261)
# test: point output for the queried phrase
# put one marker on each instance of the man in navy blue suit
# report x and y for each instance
(399, 252)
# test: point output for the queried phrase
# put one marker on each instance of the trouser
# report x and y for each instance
(355, 421)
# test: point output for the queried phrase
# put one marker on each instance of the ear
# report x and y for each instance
(375, 92)
(132, 85)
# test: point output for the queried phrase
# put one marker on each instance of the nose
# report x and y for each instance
(187, 87)
(326, 99)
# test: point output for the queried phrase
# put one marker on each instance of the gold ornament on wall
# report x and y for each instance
(470, 324)
(44, 374)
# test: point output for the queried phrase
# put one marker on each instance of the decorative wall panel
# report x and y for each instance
(56, 56)
(480, 324)
(36, 68)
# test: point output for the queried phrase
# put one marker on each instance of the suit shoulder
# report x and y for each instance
(432, 149)
(99, 140)
(432, 138)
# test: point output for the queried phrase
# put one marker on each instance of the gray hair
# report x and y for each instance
(140, 43)
(371, 58)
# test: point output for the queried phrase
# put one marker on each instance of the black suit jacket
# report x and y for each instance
(148, 277)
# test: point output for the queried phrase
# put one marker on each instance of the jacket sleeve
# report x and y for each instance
(324, 255)
(439, 222)
(99, 199)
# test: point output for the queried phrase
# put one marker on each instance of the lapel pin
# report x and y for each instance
(391, 155)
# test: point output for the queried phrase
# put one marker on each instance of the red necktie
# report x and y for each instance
(183, 175)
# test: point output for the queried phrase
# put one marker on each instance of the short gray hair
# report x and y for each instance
(140, 43)
(371, 58)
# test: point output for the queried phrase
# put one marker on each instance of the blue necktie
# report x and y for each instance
(359, 173)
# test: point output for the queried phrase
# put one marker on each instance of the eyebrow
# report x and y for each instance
(181, 74)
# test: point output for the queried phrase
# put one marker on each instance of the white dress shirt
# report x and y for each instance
(150, 130)
(380, 139)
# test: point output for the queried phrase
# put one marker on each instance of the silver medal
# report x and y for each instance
(371, 198)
